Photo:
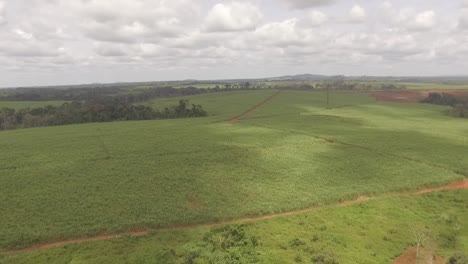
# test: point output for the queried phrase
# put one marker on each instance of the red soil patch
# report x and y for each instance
(360, 199)
(236, 118)
(453, 186)
(397, 96)
(409, 257)
(76, 241)
(461, 93)
(411, 96)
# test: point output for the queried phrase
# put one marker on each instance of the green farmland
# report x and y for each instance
(65, 182)
(372, 232)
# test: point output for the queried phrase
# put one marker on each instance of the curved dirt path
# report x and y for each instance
(360, 199)
(256, 107)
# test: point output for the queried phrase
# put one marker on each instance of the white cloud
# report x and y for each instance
(135, 21)
(408, 19)
(2, 13)
(174, 36)
(234, 16)
(357, 14)
(314, 18)
(283, 33)
(424, 20)
(463, 20)
(308, 3)
(465, 4)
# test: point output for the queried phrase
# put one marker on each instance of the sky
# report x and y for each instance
(52, 42)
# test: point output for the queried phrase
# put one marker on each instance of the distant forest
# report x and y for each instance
(130, 94)
(459, 104)
(95, 110)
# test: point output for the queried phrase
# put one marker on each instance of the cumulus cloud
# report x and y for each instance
(314, 18)
(135, 21)
(235, 16)
(357, 14)
(424, 20)
(174, 36)
(308, 3)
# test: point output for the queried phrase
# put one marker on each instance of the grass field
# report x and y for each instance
(73, 181)
(28, 104)
(436, 86)
(372, 232)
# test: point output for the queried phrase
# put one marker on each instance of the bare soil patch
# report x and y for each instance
(411, 96)
(452, 186)
(425, 256)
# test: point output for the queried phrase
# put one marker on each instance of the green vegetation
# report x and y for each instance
(96, 110)
(17, 105)
(459, 103)
(371, 232)
(78, 180)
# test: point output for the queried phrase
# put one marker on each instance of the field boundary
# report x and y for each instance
(254, 108)
(360, 199)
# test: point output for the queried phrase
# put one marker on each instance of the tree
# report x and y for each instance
(421, 236)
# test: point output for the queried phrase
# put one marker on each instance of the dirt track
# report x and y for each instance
(360, 199)
(260, 105)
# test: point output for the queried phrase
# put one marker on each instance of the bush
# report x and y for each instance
(459, 258)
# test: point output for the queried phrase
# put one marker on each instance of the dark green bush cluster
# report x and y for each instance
(226, 245)
(459, 104)
(459, 258)
(96, 110)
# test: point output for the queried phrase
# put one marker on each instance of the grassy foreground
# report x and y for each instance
(65, 182)
(371, 232)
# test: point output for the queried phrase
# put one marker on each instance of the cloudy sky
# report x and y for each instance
(45, 42)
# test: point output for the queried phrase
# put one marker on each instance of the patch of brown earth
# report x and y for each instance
(256, 107)
(425, 256)
(77, 241)
(412, 96)
(452, 186)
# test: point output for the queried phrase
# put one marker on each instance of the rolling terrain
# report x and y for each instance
(257, 153)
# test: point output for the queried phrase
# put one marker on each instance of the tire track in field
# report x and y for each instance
(359, 199)
(330, 140)
(254, 108)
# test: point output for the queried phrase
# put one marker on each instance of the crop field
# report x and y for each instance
(436, 86)
(28, 104)
(59, 183)
(376, 231)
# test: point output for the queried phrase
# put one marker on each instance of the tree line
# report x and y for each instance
(127, 93)
(459, 104)
(95, 110)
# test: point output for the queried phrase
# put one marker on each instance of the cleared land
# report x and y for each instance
(411, 96)
(292, 153)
